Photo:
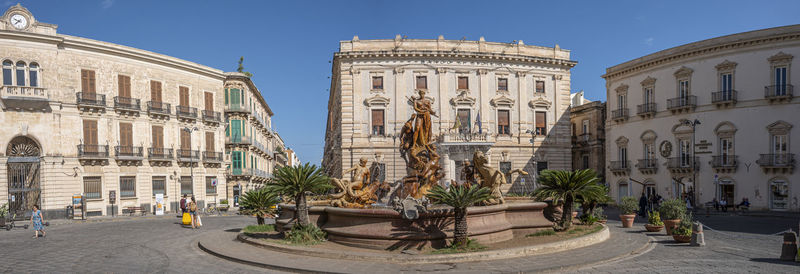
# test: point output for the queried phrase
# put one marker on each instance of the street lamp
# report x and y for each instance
(191, 161)
(693, 124)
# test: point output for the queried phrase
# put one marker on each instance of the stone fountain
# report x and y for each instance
(351, 216)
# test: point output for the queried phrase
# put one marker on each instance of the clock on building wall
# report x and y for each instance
(665, 148)
(19, 21)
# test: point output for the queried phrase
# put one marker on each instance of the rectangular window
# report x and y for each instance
(210, 141)
(186, 185)
(622, 154)
(621, 101)
(124, 86)
(539, 86)
(683, 90)
(377, 122)
(7, 74)
(155, 92)
(648, 96)
(780, 144)
(685, 152)
(585, 126)
(92, 188)
(127, 187)
(464, 121)
(726, 151)
(90, 132)
(541, 123)
(209, 101)
(502, 84)
(158, 137)
(649, 151)
(377, 82)
(186, 140)
(211, 188)
(34, 74)
(503, 122)
(585, 160)
(726, 82)
(463, 82)
(236, 130)
(159, 185)
(780, 81)
(184, 96)
(237, 161)
(87, 81)
(422, 82)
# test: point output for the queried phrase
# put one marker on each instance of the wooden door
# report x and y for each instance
(90, 136)
(186, 143)
(88, 82)
(210, 141)
(209, 101)
(155, 94)
(184, 96)
(126, 138)
(124, 86)
(158, 139)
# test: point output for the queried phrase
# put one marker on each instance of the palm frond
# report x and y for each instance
(459, 196)
(294, 180)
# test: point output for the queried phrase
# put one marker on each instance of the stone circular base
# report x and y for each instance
(380, 228)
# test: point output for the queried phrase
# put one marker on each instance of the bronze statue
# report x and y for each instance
(417, 149)
(358, 192)
(491, 178)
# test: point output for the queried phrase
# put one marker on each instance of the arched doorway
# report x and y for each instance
(23, 176)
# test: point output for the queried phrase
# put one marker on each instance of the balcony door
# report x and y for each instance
(464, 119)
(126, 138)
(186, 144)
(90, 136)
(648, 96)
(726, 86)
(685, 153)
(209, 101)
(236, 130)
(726, 151)
(780, 149)
(184, 96)
(780, 81)
(155, 94)
(210, 141)
(158, 140)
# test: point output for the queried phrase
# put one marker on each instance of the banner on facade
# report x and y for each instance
(159, 204)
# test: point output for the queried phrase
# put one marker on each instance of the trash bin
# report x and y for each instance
(70, 212)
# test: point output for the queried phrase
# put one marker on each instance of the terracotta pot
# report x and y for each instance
(671, 224)
(603, 221)
(653, 228)
(627, 220)
(682, 238)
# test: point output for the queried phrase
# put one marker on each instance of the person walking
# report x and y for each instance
(37, 220)
(183, 204)
(193, 212)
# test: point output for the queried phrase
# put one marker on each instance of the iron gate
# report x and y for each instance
(23, 188)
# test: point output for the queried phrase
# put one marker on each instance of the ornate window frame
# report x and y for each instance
(373, 74)
(649, 137)
(648, 83)
(683, 74)
(377, 102)
(726, 67)
(497, 77)
(778, 60)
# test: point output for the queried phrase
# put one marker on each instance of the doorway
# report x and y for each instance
(23, 177)
(726, 190)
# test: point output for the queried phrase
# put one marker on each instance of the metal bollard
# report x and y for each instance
(789, 250)
(697, 235)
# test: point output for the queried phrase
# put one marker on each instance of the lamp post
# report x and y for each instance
(693, 124)
(191, 161)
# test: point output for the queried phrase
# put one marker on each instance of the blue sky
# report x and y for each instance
(287, 44)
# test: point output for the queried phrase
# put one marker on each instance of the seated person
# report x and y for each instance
(723, 203)
(744, 204)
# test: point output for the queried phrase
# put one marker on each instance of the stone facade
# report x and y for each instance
(486, 96)
(588, 134)
(740, 89)
(87, 117)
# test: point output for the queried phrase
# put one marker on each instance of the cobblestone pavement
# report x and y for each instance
(740, 244)
(152, 245)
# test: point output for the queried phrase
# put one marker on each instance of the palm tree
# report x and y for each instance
(591, 199)
(565, 186)
(459, 197)
(295, 181)
(259, 202)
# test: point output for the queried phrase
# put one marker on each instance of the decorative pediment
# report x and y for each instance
(725, 129)
(463, 99)
(780, 58)
(622, 141)
(502, 101)
(648, 135)
(779, 128)
(622, 88)
(682, 128)
(376, 100)
(683, 72)
(540, 103)
(649, 81)
(726, 65)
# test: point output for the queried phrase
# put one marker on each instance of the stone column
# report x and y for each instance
(521, 111)
(446, 166)
(443, 94)
(483, 96)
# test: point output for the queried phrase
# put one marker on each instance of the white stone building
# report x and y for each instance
(740, 89)
(111, 123)
(492, 97)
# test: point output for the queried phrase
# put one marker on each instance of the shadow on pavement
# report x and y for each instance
(774, 261)
(233, 230)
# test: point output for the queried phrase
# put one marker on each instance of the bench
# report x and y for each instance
(133, 209)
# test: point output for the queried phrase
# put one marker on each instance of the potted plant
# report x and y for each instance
(671, 212)
(3, 213)
(683, 232)
(627, 210)
(654, 223)
(223, 205)
(601, 217)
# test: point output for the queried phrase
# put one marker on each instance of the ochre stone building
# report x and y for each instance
(509, 100)
(114, 123)
(588, 134)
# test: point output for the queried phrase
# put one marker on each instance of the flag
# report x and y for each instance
(457, 124)
(478, 123)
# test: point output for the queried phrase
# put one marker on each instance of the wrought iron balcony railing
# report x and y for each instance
(186, 112)
(647, 164)
(618, 114)
(683, 162)
(689, 101)
(728, 96)
(128, 152)
(211, 116)
(127, 103)
(720, 161)
(211, 156)
(156, 107)
(156, 153)
(778, 91)
(93, 151)
(620, 166)
(648, 108)
(776, 160)
(91, 99)
(187, 155)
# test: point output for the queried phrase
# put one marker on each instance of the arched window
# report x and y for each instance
(20, 73)
(7, 66)
(34, 75)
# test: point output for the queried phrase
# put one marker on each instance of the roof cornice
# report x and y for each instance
(433, 54)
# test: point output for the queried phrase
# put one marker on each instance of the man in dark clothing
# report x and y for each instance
(642, 205)
(183, 204)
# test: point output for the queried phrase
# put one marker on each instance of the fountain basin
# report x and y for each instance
(383, 228)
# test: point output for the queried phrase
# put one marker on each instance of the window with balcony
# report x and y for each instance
(33, 73)
(158, 137)
(726, 86)
(539, 87)
(159, 185)
(210, 141)
(127, 187)
(377, 82)
(377, 122)
(503, 122)
(21, 73)
(209, 101)
(422, 82)
(780, 81)
(236, 130)
(236, 160)
(463, 82)
(502, 84)
(8, 66)
(183, 93)
(90, 132)
(92, 187)
(88, 83)
(186, 186)
(464, 120)
(685, 152)
(540, 119)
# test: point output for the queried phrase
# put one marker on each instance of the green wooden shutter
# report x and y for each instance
(226, 96)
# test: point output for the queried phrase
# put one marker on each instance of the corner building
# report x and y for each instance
(509, 100)
(740, 88)
(97, 119)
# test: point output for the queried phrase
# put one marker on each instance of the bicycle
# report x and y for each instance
(211, 209)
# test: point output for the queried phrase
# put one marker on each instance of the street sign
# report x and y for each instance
(112, 196)
(214, 182)
(522, 181)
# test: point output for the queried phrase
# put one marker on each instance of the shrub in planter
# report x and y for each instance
(671, 213)
(654, 223)
(3, 213)
(589, 219)
(627, 210)
(683, 232)
(600, 215)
